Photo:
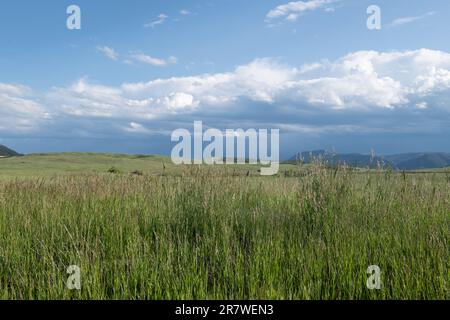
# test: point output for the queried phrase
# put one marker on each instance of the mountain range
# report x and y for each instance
(404, 161)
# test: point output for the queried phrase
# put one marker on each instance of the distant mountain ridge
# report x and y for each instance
(417, 161)
(6, 152)
(405, 161)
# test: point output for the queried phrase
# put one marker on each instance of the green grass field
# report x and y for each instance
(47, 165)
(75, 164)
(218, 232)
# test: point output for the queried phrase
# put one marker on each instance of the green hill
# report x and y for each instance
(356, 160)
(6, 152)
(419, 161)
(405, 161)
(53, 164)
(79, 163)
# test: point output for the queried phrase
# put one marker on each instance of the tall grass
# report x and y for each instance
(205, 235)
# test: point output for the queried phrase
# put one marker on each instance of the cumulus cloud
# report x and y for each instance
(134, 127)
(361, 92)
(84, 99)
(20, 112)
(364, 80)
(291, 11)
(258, 81)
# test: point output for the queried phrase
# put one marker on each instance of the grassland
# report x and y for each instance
(217, 233)
(47, 165)
(73, 164)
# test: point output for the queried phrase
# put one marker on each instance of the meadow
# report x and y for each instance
(150, 230)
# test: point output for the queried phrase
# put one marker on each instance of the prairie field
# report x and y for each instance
(200, 232)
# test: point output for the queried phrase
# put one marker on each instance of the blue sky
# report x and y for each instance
(139, 69)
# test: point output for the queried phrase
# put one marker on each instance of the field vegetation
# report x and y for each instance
(195, 232)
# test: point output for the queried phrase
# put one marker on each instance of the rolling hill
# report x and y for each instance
(351, 159)
(73, 164)
(417, 161)
(405, 161)
(6, 152)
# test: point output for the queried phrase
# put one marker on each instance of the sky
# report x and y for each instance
(139, 69)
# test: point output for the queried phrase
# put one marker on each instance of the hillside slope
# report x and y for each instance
(417, 161)
(404, 161)
(54, 164)
(351, 159)
(7, 152)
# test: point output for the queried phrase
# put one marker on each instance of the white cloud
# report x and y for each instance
(20, 112)
(365, 79)
(185, 12)
(172, 60)
(143, 58)
(256, 81)
(108, 52)
(405, 20)
(359, 91)
(137, 57)
(291, 11)
(14, 90)
(159, 20)
(179, 101)
(422, 105)
(84, 99)
(134, 127)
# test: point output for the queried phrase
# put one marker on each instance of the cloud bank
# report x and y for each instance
(364, 91)
(20, 110)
